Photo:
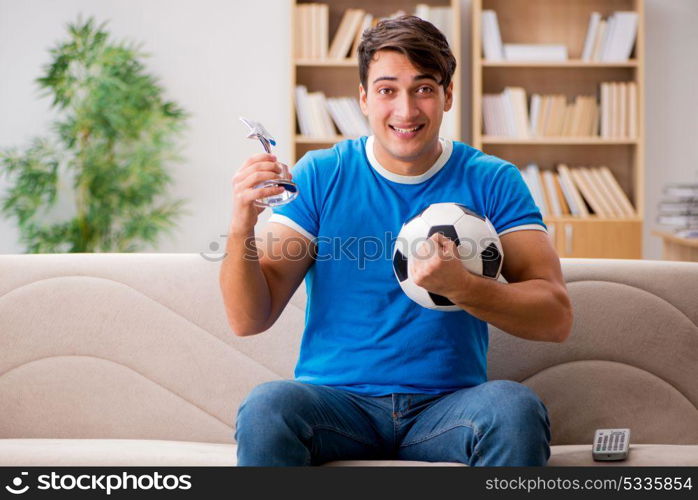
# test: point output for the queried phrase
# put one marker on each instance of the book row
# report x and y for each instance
(312, 22)
(577, 192)
(318, 115)
(510, 114)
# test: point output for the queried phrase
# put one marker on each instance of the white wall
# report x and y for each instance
(220, 59)
(217, 58)
(671, 100)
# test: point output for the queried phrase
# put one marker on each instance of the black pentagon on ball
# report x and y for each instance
(469, 212)
(440, 300)
(491, 261)
(448, 231)
(400, 265)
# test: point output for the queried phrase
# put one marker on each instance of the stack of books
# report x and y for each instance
(679, 209)
(607, 40)
(508, 115)
(312, 29)
(612, 39)
(318, 115)
(312, 32)
(577, 192)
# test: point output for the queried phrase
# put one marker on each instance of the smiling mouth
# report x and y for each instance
(406, 130)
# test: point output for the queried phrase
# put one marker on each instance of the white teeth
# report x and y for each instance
(406, 130)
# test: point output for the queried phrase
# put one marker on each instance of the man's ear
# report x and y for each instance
(362, 100)
(448, 101)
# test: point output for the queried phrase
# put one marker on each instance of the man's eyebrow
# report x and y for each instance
(424, 76)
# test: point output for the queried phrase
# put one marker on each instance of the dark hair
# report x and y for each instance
(419, 40)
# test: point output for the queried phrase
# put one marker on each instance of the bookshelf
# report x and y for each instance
(340, 78)
(566, 22)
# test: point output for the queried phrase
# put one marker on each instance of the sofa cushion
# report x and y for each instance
(157, 453)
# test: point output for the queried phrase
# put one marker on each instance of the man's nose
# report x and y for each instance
(406, 107)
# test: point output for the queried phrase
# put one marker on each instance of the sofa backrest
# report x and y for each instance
(631, 360)
(137, 346)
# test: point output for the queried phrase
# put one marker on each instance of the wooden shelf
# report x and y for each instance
(542, 141)
(676, 247)
(572, 63)
(566, 22)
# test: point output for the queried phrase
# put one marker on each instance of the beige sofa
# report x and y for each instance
(127, 359)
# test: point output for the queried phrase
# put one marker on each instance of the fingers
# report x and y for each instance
(254, 178)
(250, 195)
(258, 158)
(437, 244)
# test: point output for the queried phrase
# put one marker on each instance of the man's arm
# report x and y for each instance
(259, 275)
(533, 305)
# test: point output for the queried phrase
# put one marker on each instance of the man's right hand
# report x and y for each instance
(255, 170)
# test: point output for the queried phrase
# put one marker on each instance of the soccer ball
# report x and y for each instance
(477, 242)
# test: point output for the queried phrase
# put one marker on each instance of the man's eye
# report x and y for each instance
(384, 91)
(425, 90)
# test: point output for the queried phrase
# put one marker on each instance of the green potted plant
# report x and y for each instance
(110, 145)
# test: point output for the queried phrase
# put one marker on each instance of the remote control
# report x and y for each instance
(611, 444)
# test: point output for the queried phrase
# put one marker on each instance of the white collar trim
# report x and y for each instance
(446, 149)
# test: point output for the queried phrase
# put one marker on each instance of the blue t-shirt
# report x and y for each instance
(362, 333)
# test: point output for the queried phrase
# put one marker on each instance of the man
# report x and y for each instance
(380, 377)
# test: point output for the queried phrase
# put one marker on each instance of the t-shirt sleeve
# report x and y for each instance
(510, 206)
(302, 214)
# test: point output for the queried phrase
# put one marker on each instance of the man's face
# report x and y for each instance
(404, 106)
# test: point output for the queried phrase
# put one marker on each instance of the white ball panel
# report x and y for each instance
(441, 214)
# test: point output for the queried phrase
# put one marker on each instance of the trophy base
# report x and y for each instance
(290, 193)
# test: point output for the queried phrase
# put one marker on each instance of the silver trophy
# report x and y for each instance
(257, 131)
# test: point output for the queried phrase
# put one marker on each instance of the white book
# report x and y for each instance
(567, 193)
(535, 52)
(548, 179)
(624, 36)
(572, 195)
(614, 206)
(608, 38)
(632, 110)
(623, 118)
(303, 110)
(594, 20)
(488, 113)
(598, 40)
(536, 187)
(621, 197)
(518, 98)
(316, 124)
(491, 37)
(340, 121)
(328, 127)
(322, 122)
(535, 113)
(365, 24)
(509, 117)
(346, 32)
(324, 29)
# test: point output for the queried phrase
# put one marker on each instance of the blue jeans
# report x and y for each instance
(286, 423)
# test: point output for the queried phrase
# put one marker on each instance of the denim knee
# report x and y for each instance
(268, 402)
